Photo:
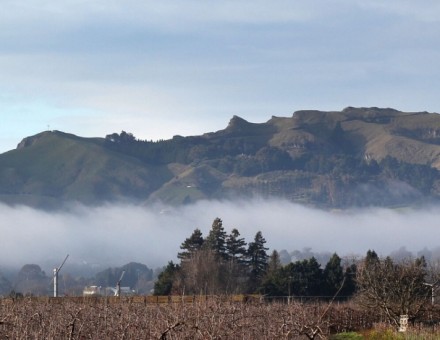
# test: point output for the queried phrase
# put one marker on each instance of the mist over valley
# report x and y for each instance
(115, 234)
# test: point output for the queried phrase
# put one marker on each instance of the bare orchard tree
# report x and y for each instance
(202, 273)
(395, 288)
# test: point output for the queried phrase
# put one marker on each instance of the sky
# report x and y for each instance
(162, 68)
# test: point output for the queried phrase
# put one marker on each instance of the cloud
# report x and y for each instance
(113, 235)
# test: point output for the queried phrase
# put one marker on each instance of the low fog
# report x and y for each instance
(114, 235)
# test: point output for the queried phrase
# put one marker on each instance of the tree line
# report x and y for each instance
(225, 263)
(221, 263)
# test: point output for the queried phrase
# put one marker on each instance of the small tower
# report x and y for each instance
(55, 277)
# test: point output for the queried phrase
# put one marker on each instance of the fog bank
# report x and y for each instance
(117, 234)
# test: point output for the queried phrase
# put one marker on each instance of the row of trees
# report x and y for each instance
(217, 264)
(396, 288)
(307, 278)
(224, 263)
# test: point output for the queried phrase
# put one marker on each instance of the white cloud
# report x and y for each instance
(117, 234)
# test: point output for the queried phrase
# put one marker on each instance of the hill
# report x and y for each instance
(54, 166)
(353, 157)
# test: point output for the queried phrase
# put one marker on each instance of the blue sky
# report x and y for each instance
(161, 68)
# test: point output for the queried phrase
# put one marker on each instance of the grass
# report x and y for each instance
(386, 334)
(66, 167)
(347, 336)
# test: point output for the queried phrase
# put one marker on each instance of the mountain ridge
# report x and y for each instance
(353, 157)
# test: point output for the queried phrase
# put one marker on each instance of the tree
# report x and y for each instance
(257, 261)
(371, 258)
(235, 269)
(274, 263)
(275, 282)
(333, 275)
(32, 280)
(203, 273)
(216, 240)
(165, 280)
(205, 264)
(349, 287)
(191, 245)
(306, 277)
(123, 138)
(235, 246)
(395, 288)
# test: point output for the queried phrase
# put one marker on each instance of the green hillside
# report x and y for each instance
(355, 157)
(53, 165)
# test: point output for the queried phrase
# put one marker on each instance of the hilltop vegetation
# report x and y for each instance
(356, 157)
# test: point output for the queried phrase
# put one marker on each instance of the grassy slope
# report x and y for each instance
(73, 168)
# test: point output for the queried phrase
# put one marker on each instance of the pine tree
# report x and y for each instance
(305, 277)
(274, 280)
(333, 275)
(350, 281)
(235, 246)
(235, 269)
(216, 240)
(313, 277)
(257, 261)
(191, 245)
(164, 283)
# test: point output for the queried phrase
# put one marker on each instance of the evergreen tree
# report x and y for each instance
(164, 283)
(274, 264)
(313, 277)
(333, 275)
(275, 281)
(234, 269)
(191, 245)
(216, 240)
(306, 277)
(350, 281)
(257, 261)
(235, 246)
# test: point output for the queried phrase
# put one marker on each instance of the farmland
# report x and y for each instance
(199, 317)
(203, 318)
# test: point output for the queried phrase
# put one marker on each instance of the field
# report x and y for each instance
(203, 318)
(208, 318)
